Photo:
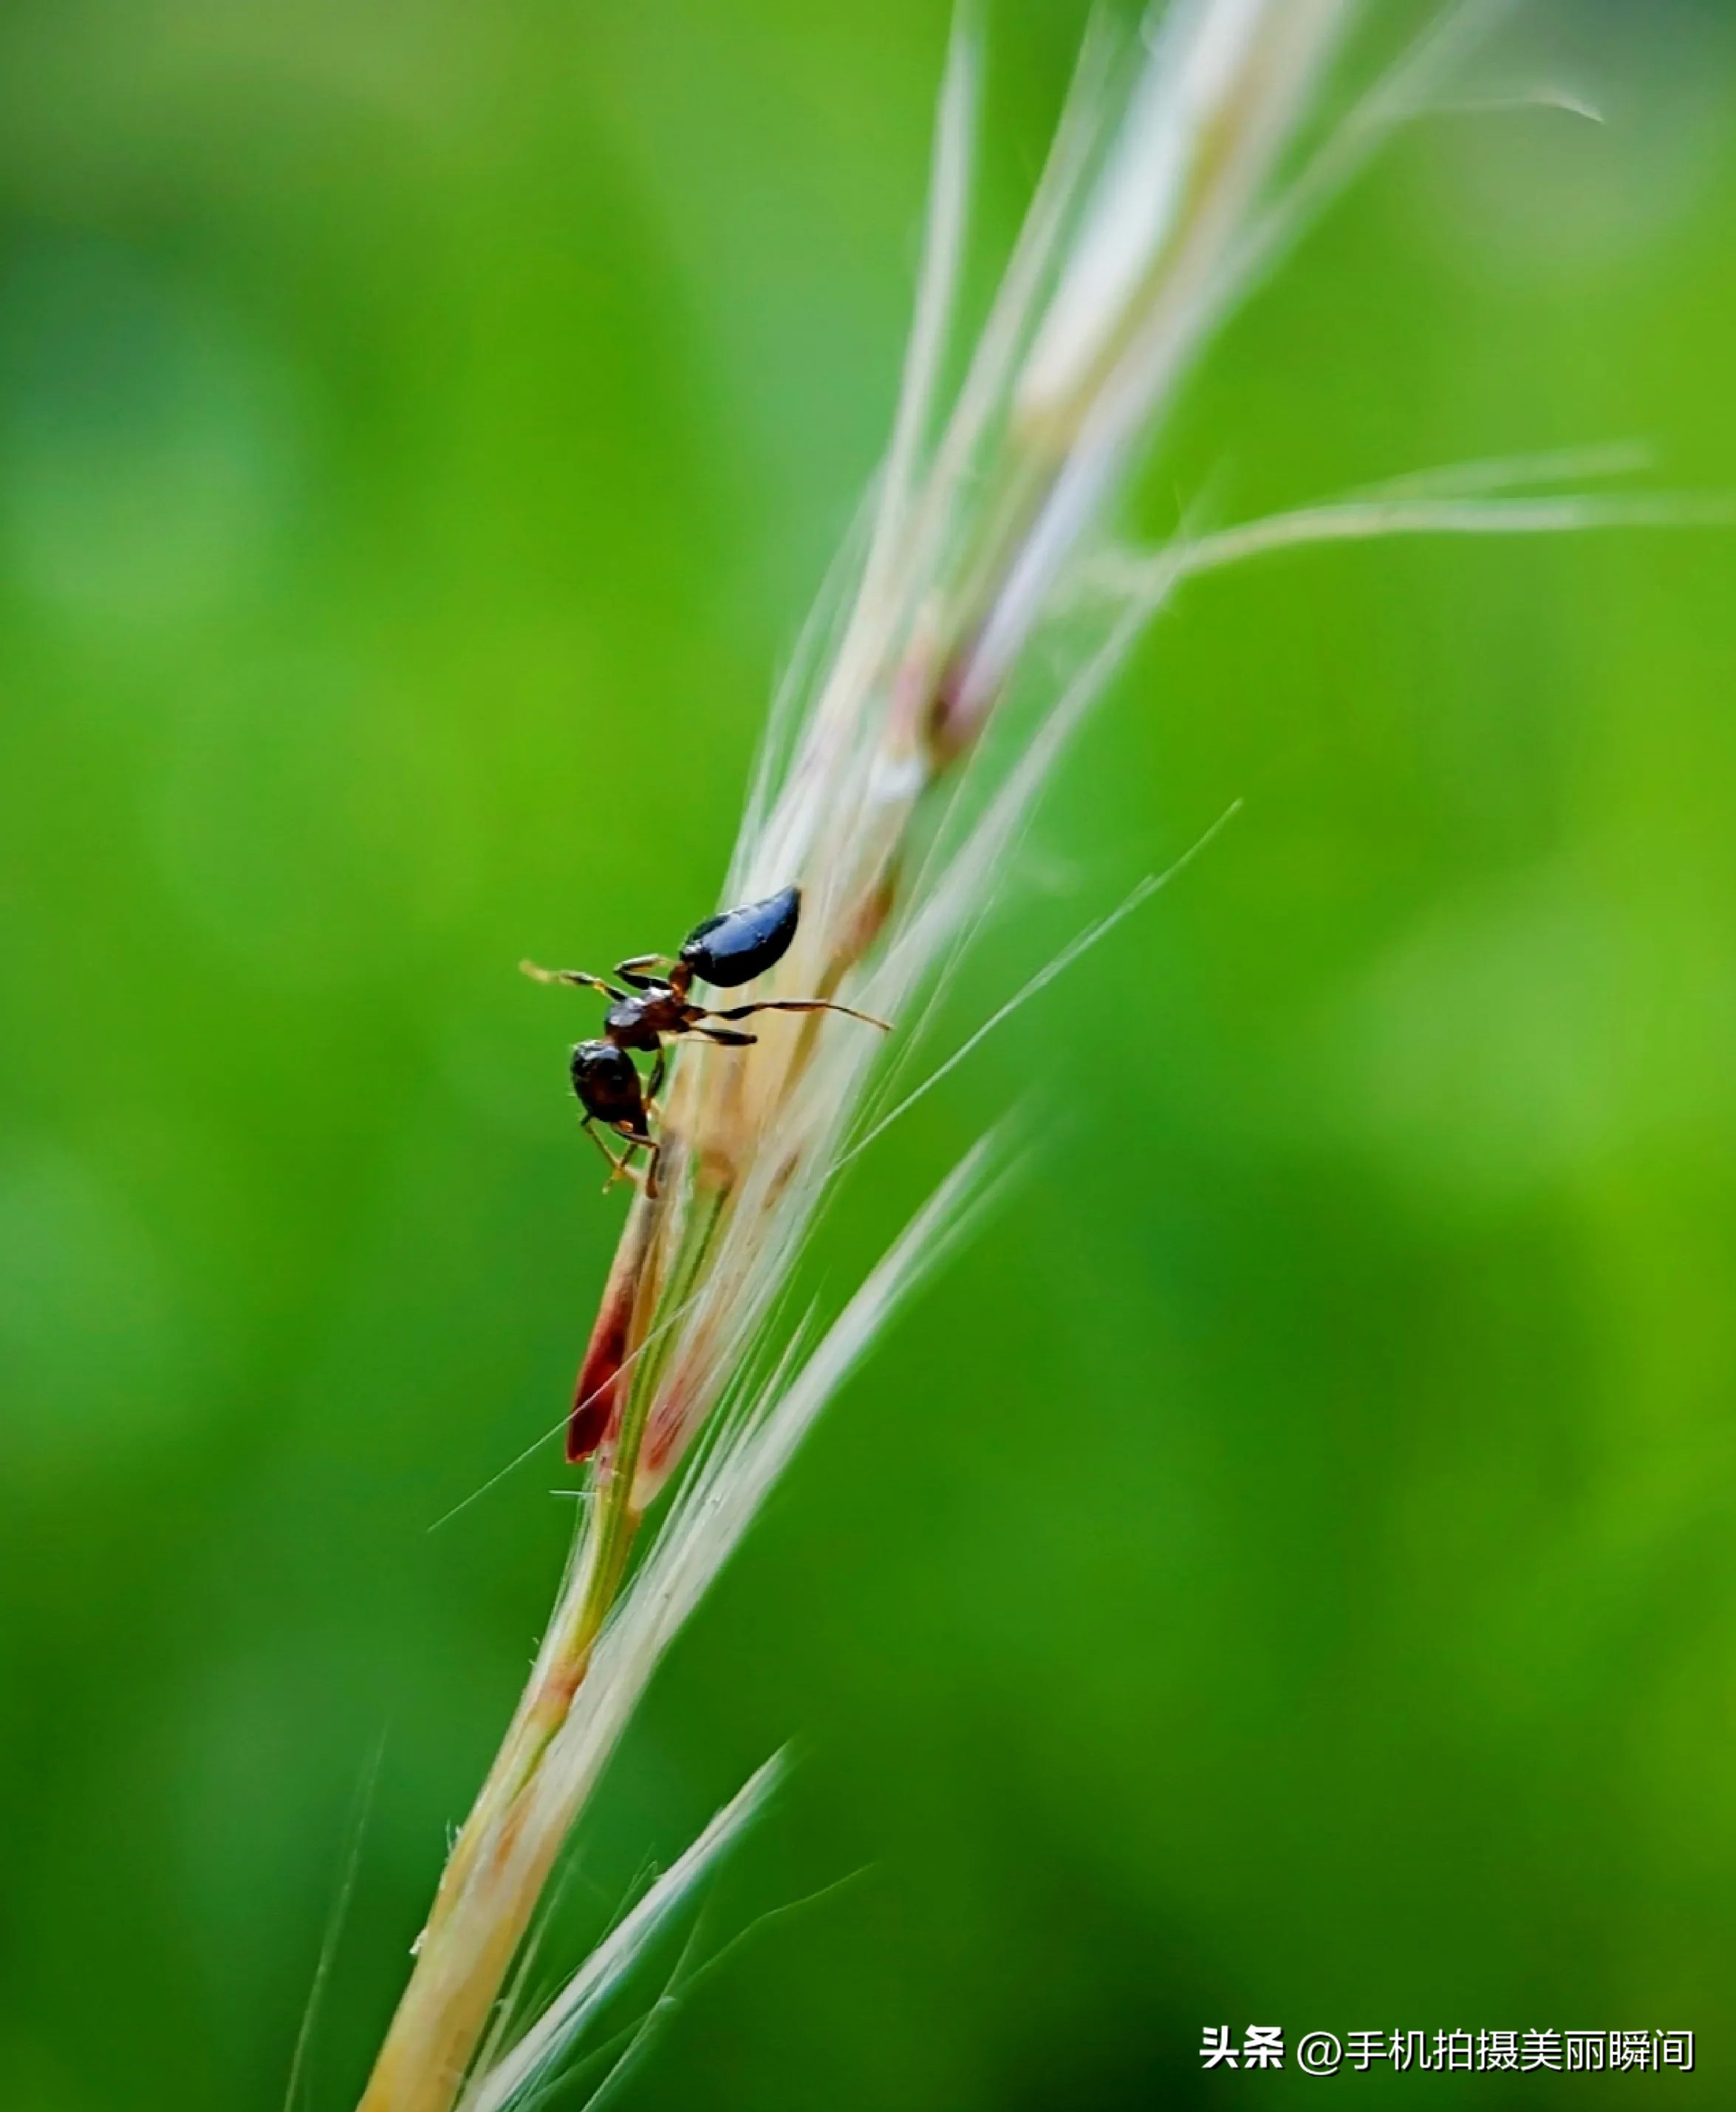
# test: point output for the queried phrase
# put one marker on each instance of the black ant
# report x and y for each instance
(728, 949)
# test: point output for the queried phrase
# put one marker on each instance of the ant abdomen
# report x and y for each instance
(736, 946)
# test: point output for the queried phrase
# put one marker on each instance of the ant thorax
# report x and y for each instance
(640, 1023)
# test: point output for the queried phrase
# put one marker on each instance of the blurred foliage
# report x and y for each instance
(1285, 1572)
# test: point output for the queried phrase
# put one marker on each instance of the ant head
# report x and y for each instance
(607, 1082)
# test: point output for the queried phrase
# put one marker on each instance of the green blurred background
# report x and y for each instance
(1284, 1572)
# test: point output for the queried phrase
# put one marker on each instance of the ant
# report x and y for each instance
(728, 949)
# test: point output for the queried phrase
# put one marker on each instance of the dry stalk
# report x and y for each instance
(1178, 172)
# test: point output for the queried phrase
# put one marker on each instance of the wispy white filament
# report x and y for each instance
(544, 2044)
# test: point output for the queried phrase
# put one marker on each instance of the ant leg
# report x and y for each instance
(653, 1152)
(570, 976)
(725, 1036)
(617, 1166)
(801, 1004)
(629, 970)
(656, 1078)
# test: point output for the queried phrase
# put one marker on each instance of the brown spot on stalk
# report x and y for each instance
(596, 1399)
(870, 918)
(956, 713)
(601, 1391)
(673, 1423)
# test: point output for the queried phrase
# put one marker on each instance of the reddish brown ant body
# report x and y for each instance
(726, 950)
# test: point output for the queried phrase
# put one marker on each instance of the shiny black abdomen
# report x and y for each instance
(740, 944)
(607, 1082)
